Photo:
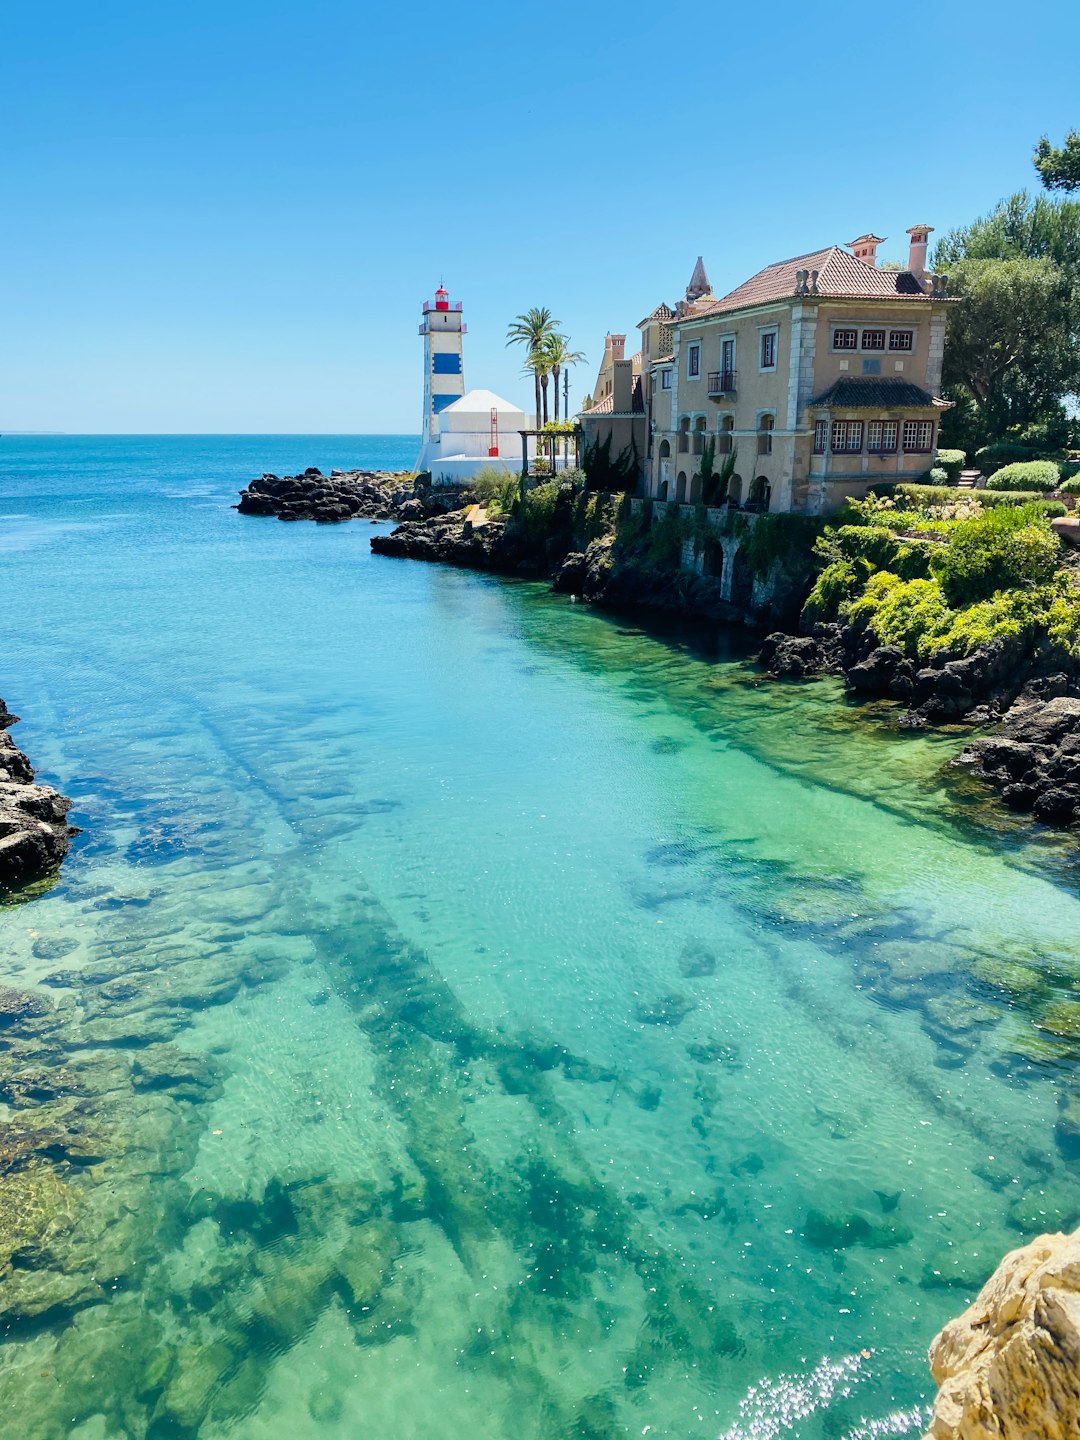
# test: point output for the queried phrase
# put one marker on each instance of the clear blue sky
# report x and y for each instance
(223, 215)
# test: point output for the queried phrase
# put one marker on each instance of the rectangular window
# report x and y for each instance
(665, 379)
(846, 437)
(821, 437)
(901, 339)
(445, 363)
(881, 437)
(693, 360)
(768, 350)
(918, 436)
(873, 339)
(845, 339)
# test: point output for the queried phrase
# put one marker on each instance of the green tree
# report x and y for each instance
(1018, 228)
(1059, 165)
(1014, 342)
(532, 330)
(559, 355)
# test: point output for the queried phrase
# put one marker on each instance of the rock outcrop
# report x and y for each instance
(1034, 758)
(1009, 1367)
(346, 495)
(34, 833)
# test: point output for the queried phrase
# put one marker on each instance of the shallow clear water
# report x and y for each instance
(480, 1015)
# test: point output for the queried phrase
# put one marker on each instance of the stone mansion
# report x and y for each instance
(820, 375)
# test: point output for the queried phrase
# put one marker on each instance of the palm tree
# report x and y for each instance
(557, 349)
(532, 330)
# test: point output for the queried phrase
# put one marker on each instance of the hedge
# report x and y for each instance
(911, 496)
(1026, 475)
(1003, 452)
(952, 462)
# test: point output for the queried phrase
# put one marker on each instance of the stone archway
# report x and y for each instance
(680, 488)
(760, 495)
(742, 579)
(695, 490)
(734, 489)
(662, 494)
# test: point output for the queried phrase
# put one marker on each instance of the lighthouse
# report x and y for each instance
(463, 431)
(444, 366)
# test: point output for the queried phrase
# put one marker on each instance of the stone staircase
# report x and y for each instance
(969, 479)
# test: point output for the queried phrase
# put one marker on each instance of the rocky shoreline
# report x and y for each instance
(346, 495)
(34, 833)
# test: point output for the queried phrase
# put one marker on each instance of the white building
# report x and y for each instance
(462, 433)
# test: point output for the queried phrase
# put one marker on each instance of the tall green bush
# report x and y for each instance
(952, 462)
(1026, 475)
(1000, 549)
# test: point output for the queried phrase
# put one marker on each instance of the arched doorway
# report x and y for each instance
(662, 492)
(713, 560)
(760, 495)
(695, 490)
(742, 579)
(680, 488)
(734, 489)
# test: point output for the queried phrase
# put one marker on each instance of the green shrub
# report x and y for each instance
(952, 462)
(908, 613)
(495, 488)
(1071, 486)
(1000, 549)
(1026, 475)
(1002, 616)
(937, 476)
(1069, 473)
(833, 588)
(1003, 452)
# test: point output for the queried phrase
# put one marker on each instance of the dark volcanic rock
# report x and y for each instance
(791, 656)
(885, 671)
(34, 833)
(1034, 759)
(346, 495)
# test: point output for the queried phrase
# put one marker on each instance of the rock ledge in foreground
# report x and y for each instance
(1009, 1367)
(34, 833)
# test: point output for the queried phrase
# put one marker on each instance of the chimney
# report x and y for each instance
(618, 347)
(917, 254)
(865, 248)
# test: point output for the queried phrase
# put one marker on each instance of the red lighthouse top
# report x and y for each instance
(442, 299)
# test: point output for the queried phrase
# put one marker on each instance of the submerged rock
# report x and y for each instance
(1009, 1367)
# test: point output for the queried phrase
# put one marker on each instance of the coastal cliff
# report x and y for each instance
(34, 833)
(1009, 1367)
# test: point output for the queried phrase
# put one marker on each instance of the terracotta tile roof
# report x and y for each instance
(602, 407)
(852, 394)
(839, 275)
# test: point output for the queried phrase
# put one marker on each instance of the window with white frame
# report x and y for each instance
(902, 340)
(665, 379)
(918, 436)
(768, 350)
(881, 436)
(845, 339)
(693, 361)
(847, 437)
(873, 339)
(821, 437)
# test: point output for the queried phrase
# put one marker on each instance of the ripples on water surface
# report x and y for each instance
(475, 1016)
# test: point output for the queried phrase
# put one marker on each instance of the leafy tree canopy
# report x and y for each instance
(1059, 165)
(1018, 228)
(1014, 342)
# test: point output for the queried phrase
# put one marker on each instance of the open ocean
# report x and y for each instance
(480, 1016)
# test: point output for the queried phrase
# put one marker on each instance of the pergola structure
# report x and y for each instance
(546, 444)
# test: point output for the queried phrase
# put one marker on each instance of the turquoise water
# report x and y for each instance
(473, 1015)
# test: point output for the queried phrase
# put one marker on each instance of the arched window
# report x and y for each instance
(760, 495)
(698, 446)
(765, 429)
(724, 438)
(684, 435)
(734, 490)
(695, 490)
(665, 449)
(663, 491)
(680, 488)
